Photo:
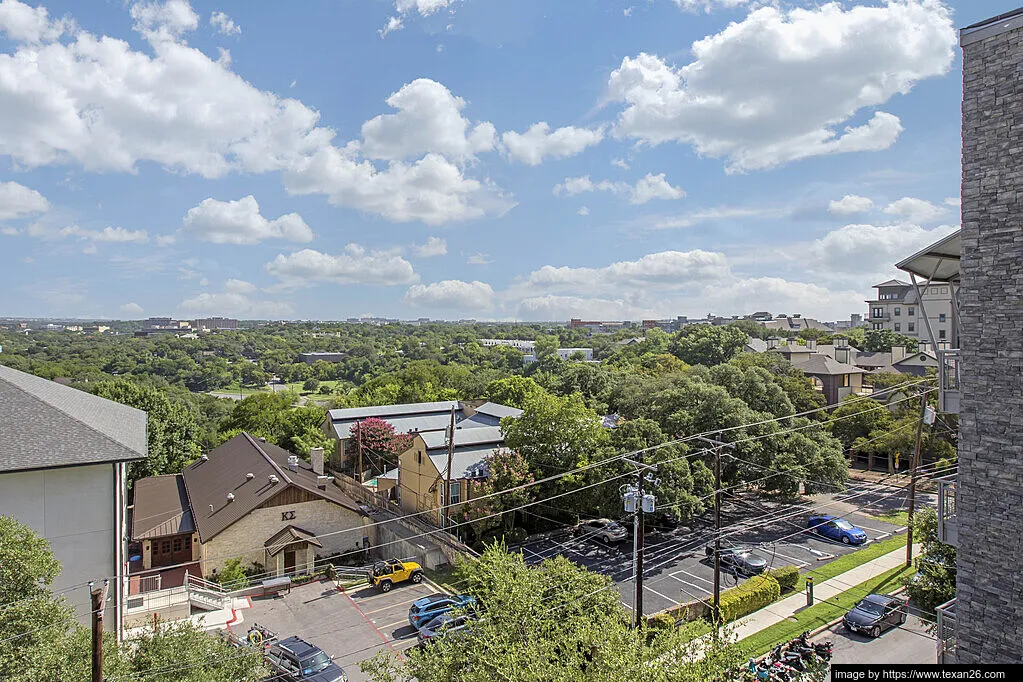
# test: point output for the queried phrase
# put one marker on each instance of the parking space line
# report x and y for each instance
(791, 558)
(369, 622)
(385, 608)
(686, 582)
(663, 596)
(691, 575)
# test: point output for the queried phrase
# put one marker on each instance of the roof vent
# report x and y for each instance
(293, 462)
(274, 480)
(249, 476)
(205, 457)
(230, 497)
(262, 440)
(211, 508)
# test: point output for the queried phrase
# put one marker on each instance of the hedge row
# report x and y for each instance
(787, 577)
(754, 594)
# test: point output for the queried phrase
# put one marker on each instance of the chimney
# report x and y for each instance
(898, 353)
(842, 354)
(293, 462)
(316, 457)
(811, 345)
(772, 342)
(924, 346)
(841, 342)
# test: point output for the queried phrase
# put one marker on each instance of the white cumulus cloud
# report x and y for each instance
(540, 142)
(355, 265)
(131, 308)
(116, 235)
(239, 222)
(915, 210)
(164, 20)
(646, 188)
(850, 204)
(224, 24)
(429, 119)
(239, 286)
(452, 294)
(434, 246)
(26, 24)
(782, 85)
(235, 305)
(18, 201)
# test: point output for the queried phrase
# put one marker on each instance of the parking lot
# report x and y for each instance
(676, 567)
(352, 625)
(911, 643)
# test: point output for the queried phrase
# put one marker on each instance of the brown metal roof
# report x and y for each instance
(288, 536)
(209, 482)
(161, 508)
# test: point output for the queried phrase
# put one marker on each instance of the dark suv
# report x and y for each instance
(296, 660)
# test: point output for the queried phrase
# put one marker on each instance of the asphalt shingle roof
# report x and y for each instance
(822, 365)
(45, 424)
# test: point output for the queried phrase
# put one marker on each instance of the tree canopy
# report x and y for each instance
(707, 345)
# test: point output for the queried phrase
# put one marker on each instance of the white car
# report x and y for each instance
(605, 530)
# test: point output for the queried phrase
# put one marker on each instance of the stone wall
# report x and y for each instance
(989, 605)
(325, 519)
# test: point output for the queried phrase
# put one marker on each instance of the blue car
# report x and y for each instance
(835, 528)
(426, 609)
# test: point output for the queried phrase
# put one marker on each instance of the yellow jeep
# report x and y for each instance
(386, 573)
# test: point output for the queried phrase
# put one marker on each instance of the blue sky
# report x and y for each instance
(472, 158)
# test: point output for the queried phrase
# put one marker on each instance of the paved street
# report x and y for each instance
(909, 644)
(352, 626)
(677, 569)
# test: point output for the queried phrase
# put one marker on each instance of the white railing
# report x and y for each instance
(149, 583)
(206, 595)
(948, 529)
(947, 632)
(948, 380)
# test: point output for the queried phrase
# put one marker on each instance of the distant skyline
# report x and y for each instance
(459, 159)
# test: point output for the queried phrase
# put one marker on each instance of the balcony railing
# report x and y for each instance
(947, 632)
(948, 528)
(948, 380)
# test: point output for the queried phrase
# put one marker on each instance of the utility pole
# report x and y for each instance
(717, 528)
(99, 599)
(912, 478)
(447, 477)
(640, 503)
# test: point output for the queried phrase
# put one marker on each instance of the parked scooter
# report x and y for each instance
(790, 658)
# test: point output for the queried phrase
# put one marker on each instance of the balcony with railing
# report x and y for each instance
(947, 632)
(948, 528)
(948, 380)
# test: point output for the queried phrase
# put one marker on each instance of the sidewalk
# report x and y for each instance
(793, 604)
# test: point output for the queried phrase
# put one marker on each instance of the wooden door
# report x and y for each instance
(289, 561)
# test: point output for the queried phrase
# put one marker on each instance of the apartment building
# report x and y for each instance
(987, 615)
(897, 306)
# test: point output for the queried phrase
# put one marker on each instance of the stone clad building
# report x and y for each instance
(989, 495)
(246, 499)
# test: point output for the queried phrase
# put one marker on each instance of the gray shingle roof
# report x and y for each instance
(208, 483)
(464, 438)
(45, 424)
(462, 459)
(822, 365)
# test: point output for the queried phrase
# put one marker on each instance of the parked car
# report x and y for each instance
(663, 521)
(740, 560)
(296, 660)
(875, 613)
(835, 528)
(605, 530)
(386, 574)
(444, 625)
(426, 609)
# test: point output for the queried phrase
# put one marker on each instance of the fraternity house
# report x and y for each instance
(246, 499)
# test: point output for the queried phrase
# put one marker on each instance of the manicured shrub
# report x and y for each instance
(660, 621)
(787, 577)
(754, 594)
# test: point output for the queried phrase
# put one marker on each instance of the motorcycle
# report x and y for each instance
(789, 658)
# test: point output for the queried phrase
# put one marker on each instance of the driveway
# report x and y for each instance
(676, 568)
(352, 626)
(909, 644)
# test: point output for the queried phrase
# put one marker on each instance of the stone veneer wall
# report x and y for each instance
(989, 504)
(245, 538)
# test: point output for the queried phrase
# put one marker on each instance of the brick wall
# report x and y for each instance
(246, 537)
(989, 606)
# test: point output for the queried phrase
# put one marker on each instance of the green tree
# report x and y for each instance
(254, 375)
(708, 345)
(174, 435)
(545, 346)
(882, 340)
(505, 470)
(514, 391)
(554, 622)
(182, 652)
(935, 580)
(555, 434)
(858, 418)
(273, 416)
(311, 385)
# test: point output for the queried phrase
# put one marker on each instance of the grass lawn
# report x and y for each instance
(822, 613)
(852, 560)
(235, 389)
(445, 577)
(899, 518)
